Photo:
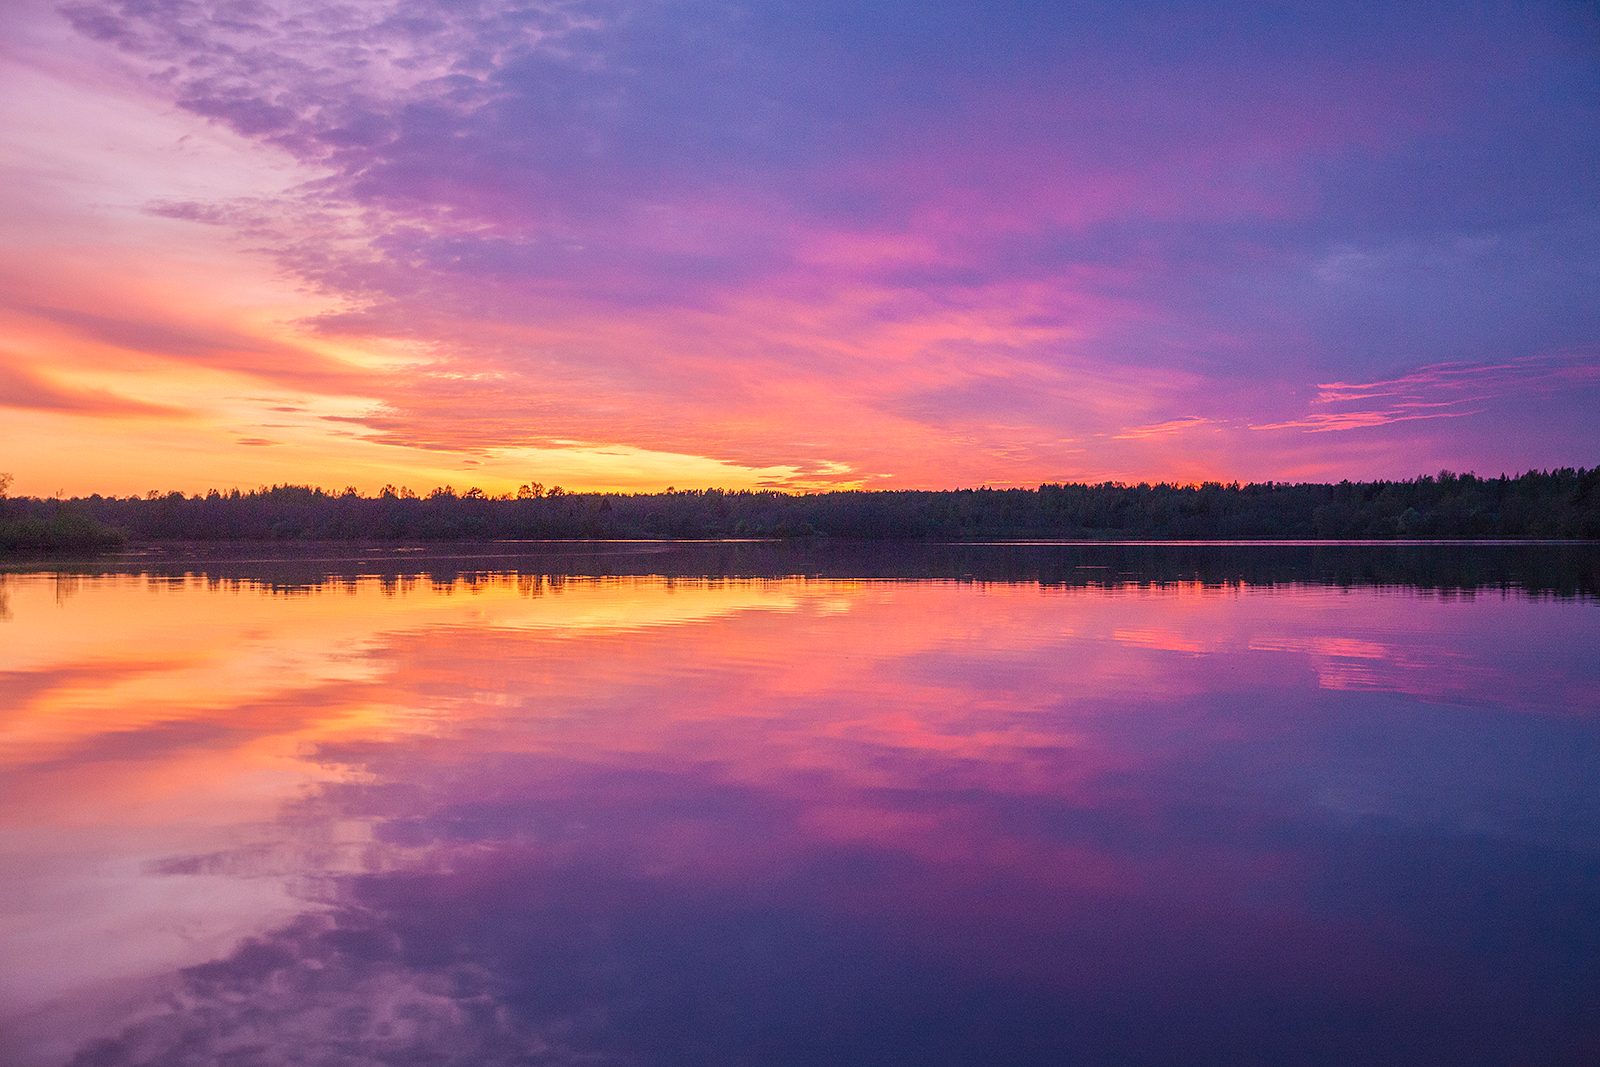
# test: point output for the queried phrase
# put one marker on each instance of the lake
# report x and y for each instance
(765, 804)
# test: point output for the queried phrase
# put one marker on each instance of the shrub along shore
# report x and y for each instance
(1556, 504)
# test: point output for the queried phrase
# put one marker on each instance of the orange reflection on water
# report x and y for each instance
(160, 737)
(193, 687)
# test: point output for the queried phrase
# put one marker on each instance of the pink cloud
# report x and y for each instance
(1052, 259)
(1439, 391)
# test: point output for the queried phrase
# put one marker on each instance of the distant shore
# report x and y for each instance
(1559, 504)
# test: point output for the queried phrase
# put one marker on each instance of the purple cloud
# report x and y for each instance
(746, 232)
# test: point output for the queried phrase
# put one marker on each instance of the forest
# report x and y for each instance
(1556, 504)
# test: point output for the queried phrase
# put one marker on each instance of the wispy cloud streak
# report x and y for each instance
(899, 243)
(20, 389)
(1441, 391)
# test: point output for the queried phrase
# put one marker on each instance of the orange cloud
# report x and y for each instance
(20, 389)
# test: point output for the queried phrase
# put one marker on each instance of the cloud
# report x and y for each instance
(221, 348)
(1534, 373)
(1442, 391)
(1160, 429)
(910, 241)
(23, 390)
(1357, 420)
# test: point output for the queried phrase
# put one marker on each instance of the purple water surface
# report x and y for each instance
(511, 817)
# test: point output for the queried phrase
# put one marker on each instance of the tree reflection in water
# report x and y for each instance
(790, 821)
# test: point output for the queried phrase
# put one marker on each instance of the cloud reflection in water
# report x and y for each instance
(721, 822)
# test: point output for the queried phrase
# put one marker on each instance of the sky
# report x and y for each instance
(626, 244)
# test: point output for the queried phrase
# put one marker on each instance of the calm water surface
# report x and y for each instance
(609, 806)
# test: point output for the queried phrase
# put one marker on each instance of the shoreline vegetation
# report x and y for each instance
(1561, 504)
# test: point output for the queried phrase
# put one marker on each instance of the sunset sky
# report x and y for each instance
(623, 244)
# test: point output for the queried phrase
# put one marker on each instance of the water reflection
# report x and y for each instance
(1556, 568)
(534, 817)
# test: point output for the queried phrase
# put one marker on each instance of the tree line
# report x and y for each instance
(1555, 504)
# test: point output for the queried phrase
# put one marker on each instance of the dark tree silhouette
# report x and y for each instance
(1557, 504)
